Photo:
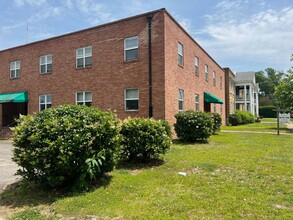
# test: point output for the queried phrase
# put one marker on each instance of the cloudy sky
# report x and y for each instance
(245, 35)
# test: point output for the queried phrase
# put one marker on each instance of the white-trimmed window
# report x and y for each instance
(221, 82)
(214, 78)
(197, 102)
(84, 98)
(14, 69)
(180, 54)
(196, 61)
(206, 69)
(181, 99)
(215, 107)
(131, 97)
(45, 101)
(46, 64)
(131, 48)
(84, 57)
(221, 109)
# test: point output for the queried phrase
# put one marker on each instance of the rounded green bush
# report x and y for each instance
(193, 126)
(66, 145)
(144, 139)
(234, 119)
(217, 121)
(246, 117)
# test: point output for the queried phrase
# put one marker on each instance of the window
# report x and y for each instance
(84, 57)
(221, 109)
(14, 69)
(131, 48)
(214, 78)
(197, 102)
(84, 98)
(221, 82)
(46, 64)
(180, 54)
(196, 65)
(45, 101)
(181, 99)
(206, 68)
(131, 99)
(215, 108)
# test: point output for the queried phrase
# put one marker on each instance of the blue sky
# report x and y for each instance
(245, 35)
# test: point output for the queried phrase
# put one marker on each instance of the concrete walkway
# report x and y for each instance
(7, 166)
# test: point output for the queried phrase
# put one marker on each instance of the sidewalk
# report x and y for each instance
(7, 166)
(256, 132)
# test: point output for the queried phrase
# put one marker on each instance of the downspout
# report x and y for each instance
(149, 18)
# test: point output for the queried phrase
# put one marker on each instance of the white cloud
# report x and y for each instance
(95, 12)
(20, 3)
(263, 36)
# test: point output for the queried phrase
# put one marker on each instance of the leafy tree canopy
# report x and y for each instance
(284, 91)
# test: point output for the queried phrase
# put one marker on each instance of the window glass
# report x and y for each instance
(131, 48)
(131, 42)
(131, 93)
(181, 99)
(131, 99)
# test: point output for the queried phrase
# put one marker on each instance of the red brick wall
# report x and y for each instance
(108, 76)
(178, 77)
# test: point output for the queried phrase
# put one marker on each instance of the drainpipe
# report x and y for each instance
(149, 18)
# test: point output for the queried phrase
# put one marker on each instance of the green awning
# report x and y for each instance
(212, 99)
(14, 97)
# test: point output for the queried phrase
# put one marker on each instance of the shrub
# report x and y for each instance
(234, 119)
(144, 139)
(267, 111)
(193, 126)
(65, 145)
(217, 121)
(246, 117)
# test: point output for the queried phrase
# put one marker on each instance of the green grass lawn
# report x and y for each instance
(234, 176)
(266, 125)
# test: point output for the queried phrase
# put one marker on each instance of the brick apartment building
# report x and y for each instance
(141, 66)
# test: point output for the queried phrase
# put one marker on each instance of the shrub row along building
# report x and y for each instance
(141, 66)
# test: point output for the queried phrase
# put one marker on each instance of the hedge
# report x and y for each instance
(66, 145)
(193, 126)
(144, 139)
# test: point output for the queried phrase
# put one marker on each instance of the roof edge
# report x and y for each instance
(84, 30)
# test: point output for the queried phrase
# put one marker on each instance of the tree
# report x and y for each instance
(284, 91)
(268, 80)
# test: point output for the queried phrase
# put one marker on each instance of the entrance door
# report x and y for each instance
(207, 107)
(11, 111)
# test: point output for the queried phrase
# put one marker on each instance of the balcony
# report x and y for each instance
(241, 98)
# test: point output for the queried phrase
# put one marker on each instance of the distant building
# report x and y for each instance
(141, 66)
(229, 92)
(246, 92)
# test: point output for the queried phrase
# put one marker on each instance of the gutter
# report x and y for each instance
(149, 18)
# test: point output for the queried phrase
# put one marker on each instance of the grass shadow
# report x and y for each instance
(24, 193)
(133, 165)
(180, 142)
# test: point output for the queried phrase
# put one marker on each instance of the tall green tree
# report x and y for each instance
(284, 91)
(268, 80)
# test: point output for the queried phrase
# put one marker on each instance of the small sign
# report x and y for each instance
(284, 118)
